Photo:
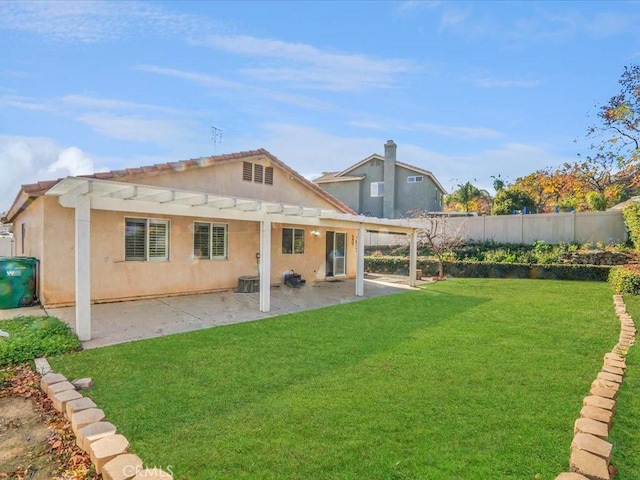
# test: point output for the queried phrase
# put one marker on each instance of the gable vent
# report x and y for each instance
(247, 171)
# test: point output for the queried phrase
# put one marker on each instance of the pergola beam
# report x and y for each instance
(87, 194)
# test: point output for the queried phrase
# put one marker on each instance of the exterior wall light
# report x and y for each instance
(315, 233)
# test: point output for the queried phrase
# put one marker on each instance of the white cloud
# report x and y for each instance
(73, 161)
(214, 82)
(310, 67)
(86, 101)
(25, 160)
(536, 25)
(198, 78)
(23, 103)
(133, 128)
(454, 18)
(98, 21)
(450, 131)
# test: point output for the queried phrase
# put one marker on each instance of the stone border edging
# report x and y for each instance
(590, 451)
(109, 451)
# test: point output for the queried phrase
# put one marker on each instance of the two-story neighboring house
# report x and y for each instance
(383, 187)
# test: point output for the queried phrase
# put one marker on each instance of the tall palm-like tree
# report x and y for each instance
(466, 197)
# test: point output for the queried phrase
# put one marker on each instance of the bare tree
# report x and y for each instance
(440, 235)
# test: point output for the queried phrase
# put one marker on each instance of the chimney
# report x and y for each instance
(389, 206)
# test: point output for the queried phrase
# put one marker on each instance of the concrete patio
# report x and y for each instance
(121, 322)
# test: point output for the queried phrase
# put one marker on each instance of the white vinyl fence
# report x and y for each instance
(584, 227)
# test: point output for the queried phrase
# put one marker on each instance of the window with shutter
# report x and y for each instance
(219, 242)
(377, 189)
(146, 239)
(210, 241)
(158, 239)
(201, 232)
(135, 239)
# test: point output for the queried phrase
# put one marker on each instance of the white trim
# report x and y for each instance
(83, 267)
(265, 265)
(85, 194)
(360, 262)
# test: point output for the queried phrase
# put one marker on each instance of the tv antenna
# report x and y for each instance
(216, 136)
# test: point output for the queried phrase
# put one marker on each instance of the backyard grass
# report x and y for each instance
(626, 427)
(466, 379)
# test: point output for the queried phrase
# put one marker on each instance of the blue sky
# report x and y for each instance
(466, 89)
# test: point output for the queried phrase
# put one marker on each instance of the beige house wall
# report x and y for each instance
(51, 238)
(226, 179)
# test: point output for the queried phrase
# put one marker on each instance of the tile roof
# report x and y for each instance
(31, 191)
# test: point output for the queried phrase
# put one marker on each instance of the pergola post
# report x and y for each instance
(360, 262)
(265, 265)
(413, 257)
(83, 267)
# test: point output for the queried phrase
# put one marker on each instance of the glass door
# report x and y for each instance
(340, 252)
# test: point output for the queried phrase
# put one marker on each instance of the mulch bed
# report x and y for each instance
(71, 462)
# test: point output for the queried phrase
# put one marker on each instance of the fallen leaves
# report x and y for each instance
(71, 462)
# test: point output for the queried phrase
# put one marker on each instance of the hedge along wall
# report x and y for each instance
(400, 265)
(631, 214)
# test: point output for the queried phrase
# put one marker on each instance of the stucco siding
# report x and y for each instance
(226, 179)
(50, 237)
(28, 235)
(373, 171)
(347, 192)
(415, 196)
(114, 278)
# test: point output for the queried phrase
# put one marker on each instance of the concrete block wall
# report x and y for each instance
(579, 227)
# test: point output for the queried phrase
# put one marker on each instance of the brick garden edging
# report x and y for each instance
(109, 451)
(590, 450)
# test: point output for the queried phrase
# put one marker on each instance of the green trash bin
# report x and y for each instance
(18, 282)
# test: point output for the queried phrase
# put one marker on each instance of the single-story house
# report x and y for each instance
(187, 227)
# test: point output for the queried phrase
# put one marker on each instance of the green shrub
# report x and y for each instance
(429, 267)
(31, 337)
(623, 280)
(631, 214)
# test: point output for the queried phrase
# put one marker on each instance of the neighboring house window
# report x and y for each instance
(415, 179)
(146, 239)
(377, 189)
(23, 236)
(210, 241)
(254, 172)
(376, 163)
(292, 240)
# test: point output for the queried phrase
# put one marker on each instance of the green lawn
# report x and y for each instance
(625, 434)
(466, 379)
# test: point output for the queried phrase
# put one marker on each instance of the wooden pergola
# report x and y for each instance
(85, 195)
